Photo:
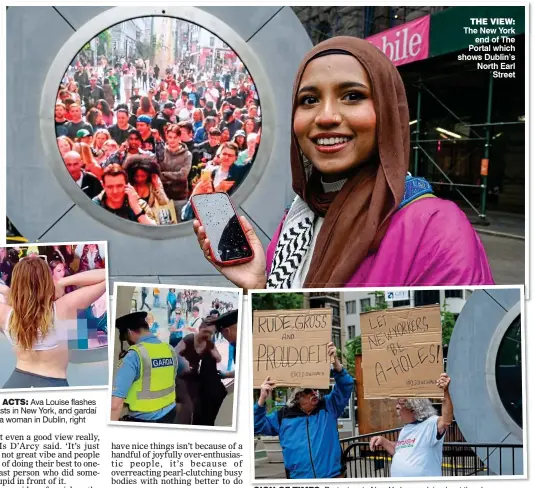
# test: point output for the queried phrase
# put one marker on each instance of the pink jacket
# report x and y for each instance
(429, 242)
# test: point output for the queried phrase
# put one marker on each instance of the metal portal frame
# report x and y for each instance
(44, 202)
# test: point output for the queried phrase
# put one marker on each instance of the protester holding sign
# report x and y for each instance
(307, 425)
(419, 450)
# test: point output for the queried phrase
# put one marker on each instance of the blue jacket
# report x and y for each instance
(310, 443)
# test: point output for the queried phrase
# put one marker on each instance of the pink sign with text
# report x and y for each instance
(406, 43)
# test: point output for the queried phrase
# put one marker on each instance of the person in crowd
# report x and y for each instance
(307, 425)
(120, 198)
(240, 140)
(156, 293)
(234, 99)
(91, 258)
(186, 128)
(134, 100)
(81, 77)
(195, 348)
(156, 71)
(127, 81)
(146, 108)
(152, 324)
(186, 114)
(88, 161)
(419, 448)
(177, 327)
(107, 114)
(148, 401)
(77, 122)
(144, 295)
(163, 118)
(110, 147)
(207, 150)
(64, 145)
(149, 136)
(221, 178)
(92, 93)
(37, 324)
(182, 103)
(201, 134)
(238, 114)
(109, 95)
(61, 122)
(72, 89)
(83, 135)
(95, 118)
(143, 175)
(175, 164)
(195, 321)
(119, 132)
(349, 158)
(129, 149)
(198, 119)
(226, 325)
(171, 301)
(6, 267)
(249, 126)
(164, 97)
(225, 135)
(246, 157)
(88, 182)
(209, 110)
(99, 139)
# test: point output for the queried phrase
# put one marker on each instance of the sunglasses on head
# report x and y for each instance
(307, 391)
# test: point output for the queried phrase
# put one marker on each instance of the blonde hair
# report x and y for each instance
(32, 298)
(84, 150)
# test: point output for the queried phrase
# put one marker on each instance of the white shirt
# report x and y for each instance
(184, 115)
(418, 452)
(212, 94)
(302, 271)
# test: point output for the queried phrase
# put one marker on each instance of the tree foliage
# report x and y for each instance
(277, 301)
(448, 321)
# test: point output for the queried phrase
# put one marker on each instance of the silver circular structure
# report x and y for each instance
(270, 41)
(471, 364)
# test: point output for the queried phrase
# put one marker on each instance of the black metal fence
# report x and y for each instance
(459, 459)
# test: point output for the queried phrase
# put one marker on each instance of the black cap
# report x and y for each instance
(226, 320)
(131, 321)
(169, 105)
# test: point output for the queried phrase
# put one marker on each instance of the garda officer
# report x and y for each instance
(145, 380)
(226, 324)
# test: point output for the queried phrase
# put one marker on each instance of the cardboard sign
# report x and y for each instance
(290, 346)
(402, 353)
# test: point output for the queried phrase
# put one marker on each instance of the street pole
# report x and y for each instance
(484, 167)
(417, 131)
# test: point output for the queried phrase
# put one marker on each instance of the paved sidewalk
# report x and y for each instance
(504, 224)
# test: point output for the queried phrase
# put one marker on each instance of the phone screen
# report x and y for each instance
(228, 241)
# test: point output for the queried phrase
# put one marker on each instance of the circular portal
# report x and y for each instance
(39, 180)
(144, 123)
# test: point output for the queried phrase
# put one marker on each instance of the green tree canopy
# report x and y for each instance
(277, 301)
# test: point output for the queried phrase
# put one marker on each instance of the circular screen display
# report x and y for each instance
(152, 111)
(508, 372)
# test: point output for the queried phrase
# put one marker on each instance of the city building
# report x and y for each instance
(126, 35)
(329, 299)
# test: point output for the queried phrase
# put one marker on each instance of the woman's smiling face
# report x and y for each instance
(335, 119)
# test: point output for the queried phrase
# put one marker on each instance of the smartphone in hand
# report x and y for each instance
(228, 242)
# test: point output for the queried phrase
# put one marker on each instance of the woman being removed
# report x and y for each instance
(359, 218)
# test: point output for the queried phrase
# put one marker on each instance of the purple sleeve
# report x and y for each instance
(449, 251)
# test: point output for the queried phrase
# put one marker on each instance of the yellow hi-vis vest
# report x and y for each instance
(155, 388)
